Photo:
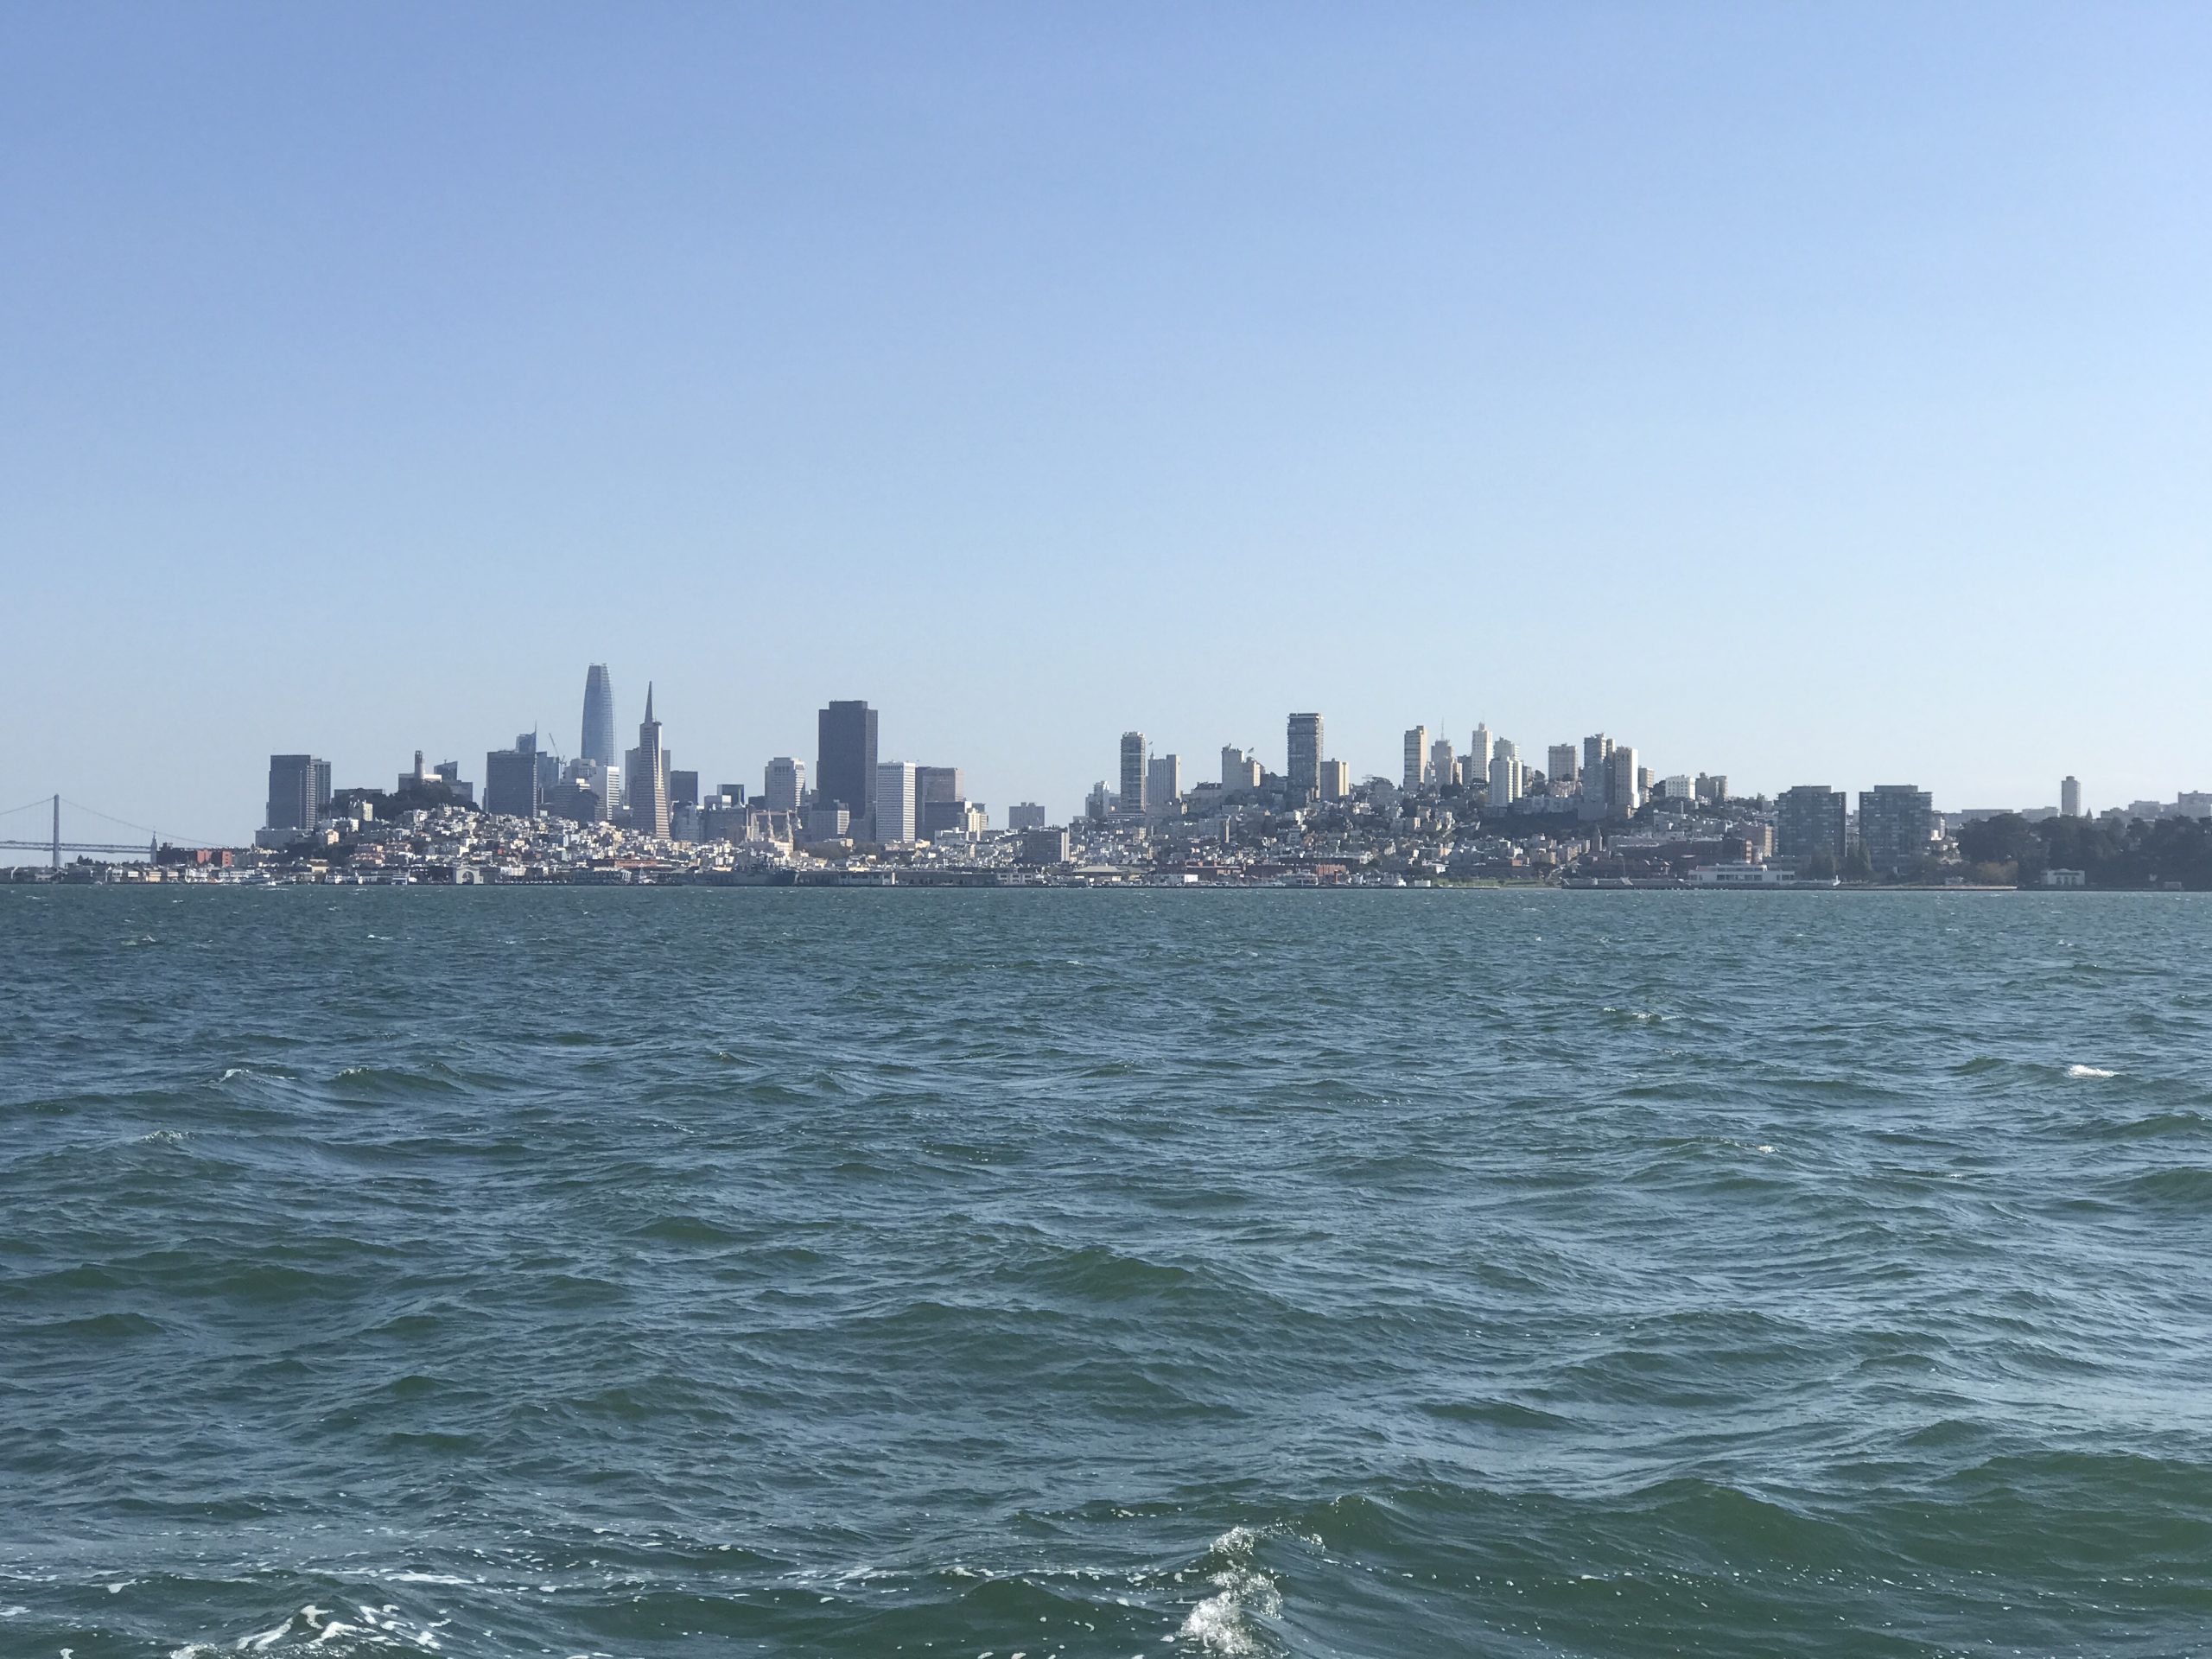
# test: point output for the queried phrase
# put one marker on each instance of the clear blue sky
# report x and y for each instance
(1812, 394)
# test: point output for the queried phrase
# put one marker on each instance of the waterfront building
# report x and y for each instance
(1559, 767)
(299, 789)
(844, 770)
(1335, 780)
(1896, 821)
(1443, 765)
(1304, 770)
(598, 742)
(1132, 759)
(782, 784)
(2069, 797)
(1043, 845)
(1809, 819)
(649, 792)
(1163, 782)
(510, 783)
(1025, 815)
(1416, 757)
(1624, 784)
(897, 819)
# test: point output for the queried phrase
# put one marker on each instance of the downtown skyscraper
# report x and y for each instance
(598, 742)
(845, 759)
(649, 798)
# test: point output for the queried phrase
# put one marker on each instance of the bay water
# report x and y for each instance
(1056, 1273)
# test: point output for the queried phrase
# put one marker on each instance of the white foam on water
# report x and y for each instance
(371, 1630)
(1222, 1623)
(2089, 1071)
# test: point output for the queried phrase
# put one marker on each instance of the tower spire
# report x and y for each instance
(649, 702)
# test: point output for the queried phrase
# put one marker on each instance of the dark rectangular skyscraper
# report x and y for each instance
(299, 788)
(511, 786)
(844, 763)
(1896, 825)
(1305, 758)
(1809, 819)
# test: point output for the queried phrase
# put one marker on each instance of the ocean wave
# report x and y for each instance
(1231, 1621)
(366, 1630)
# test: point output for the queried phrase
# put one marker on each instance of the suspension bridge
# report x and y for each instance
(54, 846)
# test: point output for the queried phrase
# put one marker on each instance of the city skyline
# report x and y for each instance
(1566, 371)
(848, 744)
(535, 762)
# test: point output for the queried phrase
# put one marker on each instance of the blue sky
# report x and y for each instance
(1811, 395)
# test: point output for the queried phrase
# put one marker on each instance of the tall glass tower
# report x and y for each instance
(599, 718)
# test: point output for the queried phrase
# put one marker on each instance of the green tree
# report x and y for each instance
(2001, 840)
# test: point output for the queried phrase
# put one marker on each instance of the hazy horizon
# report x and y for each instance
(1805, 397)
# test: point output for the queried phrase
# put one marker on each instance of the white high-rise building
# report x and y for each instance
(2069, 797)
(1478, 750)
(1560, 769)
(1504, 775)
(1416, 756)
(895, 805)
(1335, 780)
(1163, 782)
(1238, 770)
(783, 783)
(1623, 784)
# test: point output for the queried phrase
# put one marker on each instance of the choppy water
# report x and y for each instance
(1066, 1274)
